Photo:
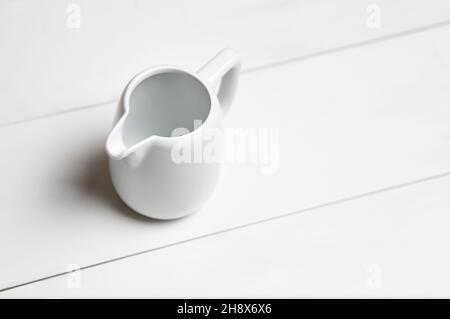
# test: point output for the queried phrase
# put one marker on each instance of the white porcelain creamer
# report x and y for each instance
(156, 104)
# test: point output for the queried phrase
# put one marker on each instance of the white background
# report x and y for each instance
(358, 208)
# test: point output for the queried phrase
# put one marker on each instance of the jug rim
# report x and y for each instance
(160, 141)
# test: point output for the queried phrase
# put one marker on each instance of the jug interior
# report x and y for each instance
(163, 102)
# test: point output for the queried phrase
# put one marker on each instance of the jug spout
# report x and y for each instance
(119, 151)
(115, 146)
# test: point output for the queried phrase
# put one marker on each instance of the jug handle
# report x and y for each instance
(224, 69)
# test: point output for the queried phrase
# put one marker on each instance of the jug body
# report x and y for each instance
(161, 187)
(168, 125)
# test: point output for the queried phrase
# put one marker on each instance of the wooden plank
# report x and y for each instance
(387, 245)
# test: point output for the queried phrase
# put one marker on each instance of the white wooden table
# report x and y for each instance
(358, 208)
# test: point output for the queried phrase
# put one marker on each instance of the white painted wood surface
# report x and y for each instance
(351, 122)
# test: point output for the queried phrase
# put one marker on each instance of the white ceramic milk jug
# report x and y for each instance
(141, 144)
